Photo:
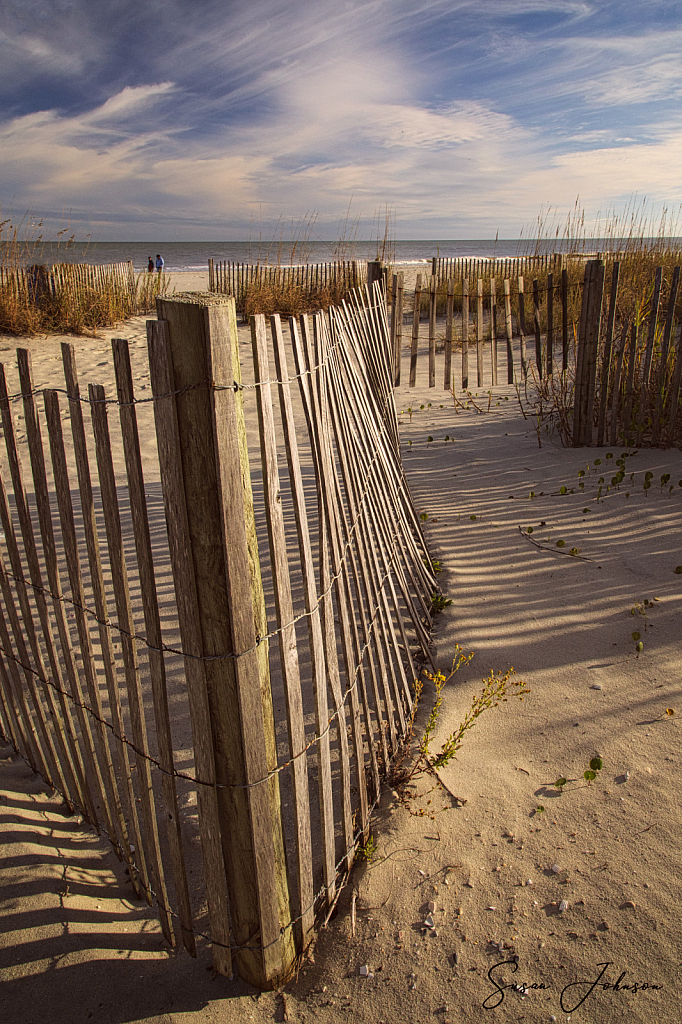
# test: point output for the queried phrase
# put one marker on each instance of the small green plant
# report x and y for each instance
(369, 851)
(561, 543)
(429, 439)
(574, 551)
(424, 516)
(439, 602)
(596, 765)
(590, 774)
(497, 689)
(436, 565)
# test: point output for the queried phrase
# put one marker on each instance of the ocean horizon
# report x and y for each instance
(194, 256)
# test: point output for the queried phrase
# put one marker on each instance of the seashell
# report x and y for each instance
(556, 869)
(431, 905)
(596, 686)
(529, 881)
(364, 971)
(429, 922)
(563, 906)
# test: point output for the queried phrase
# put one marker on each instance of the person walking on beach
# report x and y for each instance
(159, 262)
(150, 266)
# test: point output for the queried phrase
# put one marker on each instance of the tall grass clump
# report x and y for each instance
(641, 242)
(65, 297)
(289, 298)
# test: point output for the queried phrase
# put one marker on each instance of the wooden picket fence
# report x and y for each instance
(210, 647)
(65, 278)
(480, 323)
(237, 279)
(628, 367)
(457, 267)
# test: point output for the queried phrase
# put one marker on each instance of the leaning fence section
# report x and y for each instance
(209, 643)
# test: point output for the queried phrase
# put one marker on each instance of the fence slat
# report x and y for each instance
(493, 329)
(119, 577)
(83, 761)
(592, 349)
(432, 331)
(616, 402)
(152, 619)
(606, 360)
(465, 334)
(416, 312)
(648, 355)
(450, 311)
(665, 355)
(508, 330)
(628, 425)
(285, 622)
(113, 811)
(58, 758)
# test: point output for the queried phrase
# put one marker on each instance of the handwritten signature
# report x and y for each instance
(579, 990)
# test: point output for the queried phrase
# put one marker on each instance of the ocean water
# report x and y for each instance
(195, 255)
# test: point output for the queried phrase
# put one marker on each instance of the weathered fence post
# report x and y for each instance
(375, 272)
(202, 333)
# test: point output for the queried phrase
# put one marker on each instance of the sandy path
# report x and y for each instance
(565, 624)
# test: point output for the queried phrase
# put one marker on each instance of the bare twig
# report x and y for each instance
(553, 550)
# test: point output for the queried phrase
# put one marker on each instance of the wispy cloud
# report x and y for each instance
(186, 117)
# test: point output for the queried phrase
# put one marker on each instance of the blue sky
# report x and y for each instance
(197, 119)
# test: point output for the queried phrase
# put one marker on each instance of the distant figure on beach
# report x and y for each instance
(150, 266)
(159, 262)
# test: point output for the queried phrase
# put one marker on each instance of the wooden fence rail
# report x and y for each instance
(209, 645)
